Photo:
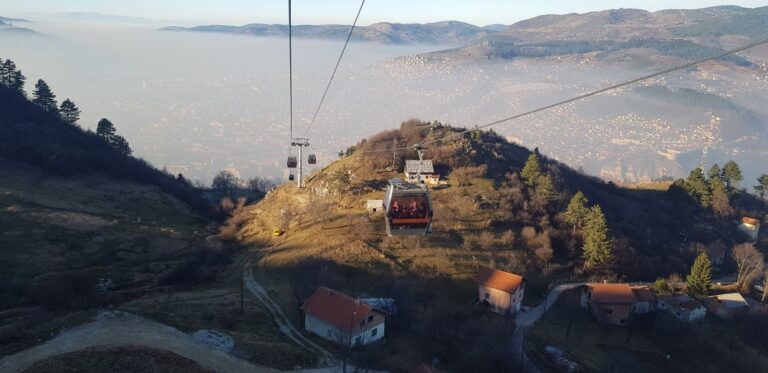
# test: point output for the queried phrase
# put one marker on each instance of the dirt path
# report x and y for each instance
(525, 320)
(124, 329)
(326, 358)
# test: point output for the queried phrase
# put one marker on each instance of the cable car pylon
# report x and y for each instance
(301, 143)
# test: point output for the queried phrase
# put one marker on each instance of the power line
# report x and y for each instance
(349, 36)
(290, 67)
(586, 95)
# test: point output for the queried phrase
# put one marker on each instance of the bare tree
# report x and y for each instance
(765, 286)
(674, 281)
(750, 264)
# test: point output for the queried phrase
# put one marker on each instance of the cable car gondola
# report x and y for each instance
(291, 177)
(312, 159)
(292, 162)
(408, 209)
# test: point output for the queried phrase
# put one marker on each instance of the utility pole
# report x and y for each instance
(301, 143)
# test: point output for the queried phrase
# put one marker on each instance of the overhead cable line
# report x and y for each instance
(338, 62)
(290, 67)
(586, 95)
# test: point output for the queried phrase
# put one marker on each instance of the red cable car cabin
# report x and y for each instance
(408, 209)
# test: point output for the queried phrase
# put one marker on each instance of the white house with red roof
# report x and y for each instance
(502, 292)
(342, 319)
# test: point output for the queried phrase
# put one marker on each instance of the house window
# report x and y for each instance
(487, 296)
(374, 331)
(370, 318)
(362, 322)
(357, 340)
(609, 312)
(622, 321)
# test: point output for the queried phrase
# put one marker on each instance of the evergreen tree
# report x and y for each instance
(699, 280)
(10, 77)
(531, 170)
(577, 211)
(105, 129)
(698, 188)
(44, 97)
(762, 185)
(597, 244)
(721, 205)
(545, 188)
(70, 113)
(120, 144)
(732, 174)
(715, 173)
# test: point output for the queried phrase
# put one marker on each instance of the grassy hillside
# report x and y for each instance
(486, 215)
(31, 135)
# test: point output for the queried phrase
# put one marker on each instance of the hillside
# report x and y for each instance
(36, 137)
(445, 33)
(481, 217)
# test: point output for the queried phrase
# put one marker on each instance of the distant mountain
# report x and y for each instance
(448, 32)
(93, 16)
(4, 20)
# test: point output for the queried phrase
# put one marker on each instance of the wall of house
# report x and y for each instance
(500, 301)
(614, 314)
(364, 335)
(641, 307)
(750, 230)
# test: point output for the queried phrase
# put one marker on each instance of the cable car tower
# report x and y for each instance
(301, 143)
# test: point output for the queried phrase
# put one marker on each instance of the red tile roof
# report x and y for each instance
(336, 308)
(612, 293)
(750, 221)
(498, 280)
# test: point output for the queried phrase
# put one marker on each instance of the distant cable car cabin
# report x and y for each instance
(291, 177)
(408, 209)
(312, 159)
(292, 162)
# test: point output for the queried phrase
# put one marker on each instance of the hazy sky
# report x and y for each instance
(481, 12)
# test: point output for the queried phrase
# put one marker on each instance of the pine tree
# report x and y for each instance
(699, 280)
(597, 244)
(70, 113)
(10, 77)
(17, 82)
(44, 97)
(4, 78)
(732, 174)
(698, 188)
(120, 144)
(531, 170)
(577, 211)
(715, 173)
(545, 188)
(762, 185)
(105, 129)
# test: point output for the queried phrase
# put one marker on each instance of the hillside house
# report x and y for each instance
(682, 307)
(727, 305)
(750, 227)
(339, 318)
(645, 300)
(374, 205)
(428, 174)
(502, 292)
(609, 303)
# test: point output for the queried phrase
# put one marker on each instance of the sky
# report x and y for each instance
(479, 12)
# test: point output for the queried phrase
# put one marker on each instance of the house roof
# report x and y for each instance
(644, 294)
(681, 301)
(731, 300)
(336, 308)
(611, 293)
(750, 221)
(412, 166)
(498, 280)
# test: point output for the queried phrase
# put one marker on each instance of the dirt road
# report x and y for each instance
(124, 329)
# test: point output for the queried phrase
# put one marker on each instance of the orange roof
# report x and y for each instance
(612, 293)
(498, 280)
(336, 308)
(750, 221)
